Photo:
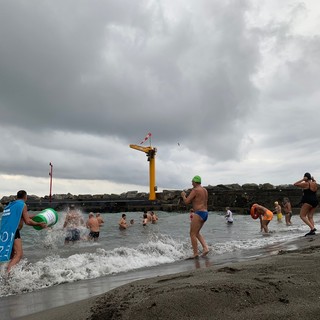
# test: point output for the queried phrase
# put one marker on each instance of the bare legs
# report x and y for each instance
(288, 219)
(264, 225)
(17, 254)
(195, 227)
(306, 215)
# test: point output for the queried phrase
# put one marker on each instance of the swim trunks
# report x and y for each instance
(17, 234)
(203, 215)
(279, 216)
(73, 235)
(94, 235)
(267, 216)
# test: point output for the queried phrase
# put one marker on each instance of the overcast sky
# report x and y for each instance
(228, 89)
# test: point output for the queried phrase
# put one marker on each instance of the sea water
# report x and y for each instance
(48, 262)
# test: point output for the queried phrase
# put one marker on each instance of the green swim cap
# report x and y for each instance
(196, 179)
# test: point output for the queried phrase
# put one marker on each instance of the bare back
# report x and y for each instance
(93, 224)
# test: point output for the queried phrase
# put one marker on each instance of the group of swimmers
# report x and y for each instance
(309, 203)
(74, 221)
(198, 197)
(148, 217)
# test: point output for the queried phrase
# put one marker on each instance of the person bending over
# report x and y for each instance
(265, 216)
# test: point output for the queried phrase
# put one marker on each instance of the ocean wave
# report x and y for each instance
(54, 270)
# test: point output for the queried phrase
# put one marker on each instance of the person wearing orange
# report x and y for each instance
(309, 201)
(265, 216)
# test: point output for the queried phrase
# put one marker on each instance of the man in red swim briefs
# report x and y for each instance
(265, 216)
(199, 199)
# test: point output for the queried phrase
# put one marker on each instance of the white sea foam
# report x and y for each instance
(54, 270)
(51, 263)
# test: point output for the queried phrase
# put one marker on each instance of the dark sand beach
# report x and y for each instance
(282, 286)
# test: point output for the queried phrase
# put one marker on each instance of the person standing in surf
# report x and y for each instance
(20, 203)
(278, 211)
(229, 216)
(288, 210)
(199, 199)
(309, 201)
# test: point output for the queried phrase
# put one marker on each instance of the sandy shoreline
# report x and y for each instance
(283, 286)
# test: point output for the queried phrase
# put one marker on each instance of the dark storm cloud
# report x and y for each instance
(80, 80)
(122, 68)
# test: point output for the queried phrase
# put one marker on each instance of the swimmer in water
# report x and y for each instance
(154, 218)
(99, 218)
(199, 199)
(229, 216)
(145, 219)
(123, 223)
(94, 226)
(72, 223)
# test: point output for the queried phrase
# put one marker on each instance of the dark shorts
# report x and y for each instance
(203, 215)
(231, 222)
(94, 235)
(73, 235)
(17, 234)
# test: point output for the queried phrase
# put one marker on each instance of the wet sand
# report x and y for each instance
(282, 286)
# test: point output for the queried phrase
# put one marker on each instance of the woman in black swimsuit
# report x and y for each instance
(309, 201)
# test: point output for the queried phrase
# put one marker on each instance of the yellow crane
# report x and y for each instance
(151, 154)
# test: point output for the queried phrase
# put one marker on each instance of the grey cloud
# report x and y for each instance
(125, 69)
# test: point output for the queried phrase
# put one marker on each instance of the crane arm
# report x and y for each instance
(140, 148)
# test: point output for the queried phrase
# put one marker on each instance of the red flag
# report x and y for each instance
(146, 138)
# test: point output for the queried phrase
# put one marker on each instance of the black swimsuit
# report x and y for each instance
(310, 197)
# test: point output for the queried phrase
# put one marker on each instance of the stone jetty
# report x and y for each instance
(238, 197)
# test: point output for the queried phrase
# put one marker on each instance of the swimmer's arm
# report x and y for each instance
(28, 221)
(301, 183)
(188, 200)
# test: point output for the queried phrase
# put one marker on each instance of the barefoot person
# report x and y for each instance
(265, 216)
(199, 199)
(19, 208)
(287, 210)
(94, 226)
(309, 201)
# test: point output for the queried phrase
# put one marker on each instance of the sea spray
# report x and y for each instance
(49, 262)
(54, 270)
